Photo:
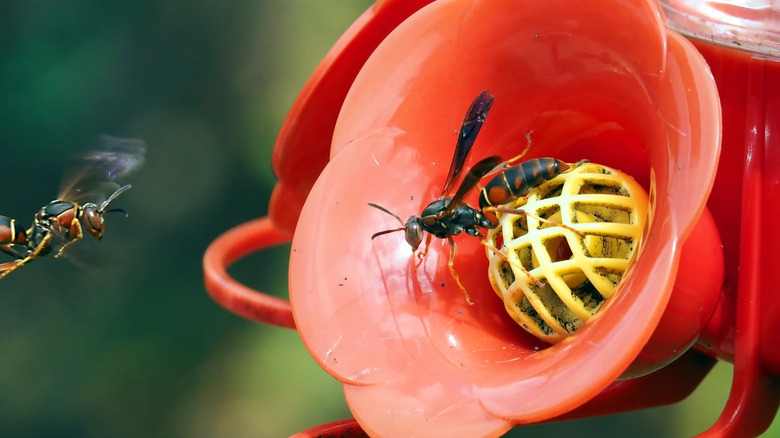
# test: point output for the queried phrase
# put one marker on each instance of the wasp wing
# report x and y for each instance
(472, 123)
(94, 175)
(85, 255)
(482, 168)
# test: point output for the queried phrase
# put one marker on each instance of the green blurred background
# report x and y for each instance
(137, 348)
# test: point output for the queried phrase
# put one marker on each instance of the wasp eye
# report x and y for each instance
(94, 220)
(413, 234)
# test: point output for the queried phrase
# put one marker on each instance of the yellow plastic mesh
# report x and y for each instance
(574, 275)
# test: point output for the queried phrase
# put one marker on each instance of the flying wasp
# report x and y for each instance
(450, 216)
(63, 222)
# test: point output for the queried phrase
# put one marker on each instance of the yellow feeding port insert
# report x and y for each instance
(553, 280)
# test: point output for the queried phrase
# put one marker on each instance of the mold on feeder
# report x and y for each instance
(572, 275)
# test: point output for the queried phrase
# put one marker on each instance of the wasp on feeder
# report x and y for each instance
(450, 216)
(63, 222)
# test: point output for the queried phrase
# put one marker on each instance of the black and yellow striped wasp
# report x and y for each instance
(451, 216)
(87, 190)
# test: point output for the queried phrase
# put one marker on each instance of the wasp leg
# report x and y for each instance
(525, 213)
(29, 257)
(13, 252)
(7, 266)
(572, 166)
(503, 256)
(511, 162)
(580, 163)
(421, 255)
(453, 273)
(74, 225)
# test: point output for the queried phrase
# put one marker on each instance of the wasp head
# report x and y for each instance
(92, 214)
(412, 228)
(413, 231)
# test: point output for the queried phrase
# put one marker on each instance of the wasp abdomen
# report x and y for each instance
(10, 233)
(518, 180)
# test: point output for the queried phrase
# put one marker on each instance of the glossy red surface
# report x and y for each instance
(751, 121)
(338, 429)
(685, 374)
(395, 328)
(745, 202)
(582, 88)
(695, 296)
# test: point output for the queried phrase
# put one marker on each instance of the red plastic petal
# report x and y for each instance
(338, 429)
(303, 146)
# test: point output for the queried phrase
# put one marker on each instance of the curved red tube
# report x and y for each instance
(234, 244)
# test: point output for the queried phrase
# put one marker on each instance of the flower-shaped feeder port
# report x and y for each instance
(610, 83)
(568, 276)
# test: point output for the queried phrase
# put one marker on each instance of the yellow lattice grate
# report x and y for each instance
(574, 274)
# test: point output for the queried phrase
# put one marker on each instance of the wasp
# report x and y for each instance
(450, 216)
(63, 222)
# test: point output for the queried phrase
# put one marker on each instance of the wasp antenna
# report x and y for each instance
(117, 210)
(113, 196)
(387, 232)
(379, 207)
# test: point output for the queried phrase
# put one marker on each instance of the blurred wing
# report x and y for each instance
(58, 240)
(472, 123)
(471, 179)
(94, 175)
(86, 256)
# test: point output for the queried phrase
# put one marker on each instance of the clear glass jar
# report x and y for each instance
(748, 25)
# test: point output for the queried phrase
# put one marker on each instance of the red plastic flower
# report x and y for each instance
(608, 83)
